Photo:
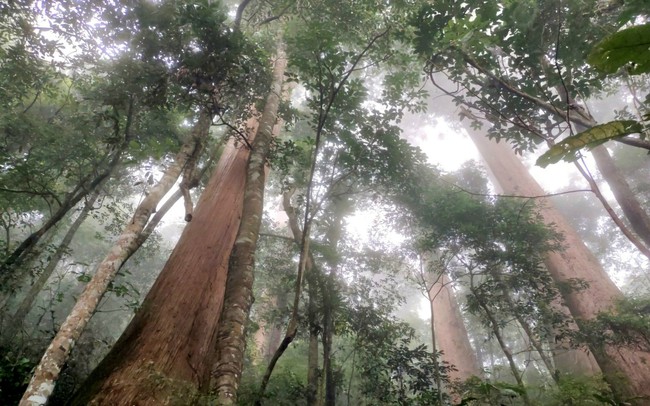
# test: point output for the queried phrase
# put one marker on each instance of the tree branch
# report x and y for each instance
(635, 142)
(240, 12)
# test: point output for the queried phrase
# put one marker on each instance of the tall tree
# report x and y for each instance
(333, 89)
(164, 354)
(624, 368)
(193, 61)
(56, 355)
(527, 78)
(231, 338)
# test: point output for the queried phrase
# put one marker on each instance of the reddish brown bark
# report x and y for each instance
(231, 339)
(164, 354)
(627, 370)
(450, 332)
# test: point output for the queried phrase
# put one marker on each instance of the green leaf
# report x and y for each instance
(84, 278)
(630, 46)
(567, 149)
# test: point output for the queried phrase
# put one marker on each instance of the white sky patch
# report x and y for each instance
(554, 177)
(367, 226)
(444, 145)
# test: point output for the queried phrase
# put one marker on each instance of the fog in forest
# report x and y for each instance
(324, 203)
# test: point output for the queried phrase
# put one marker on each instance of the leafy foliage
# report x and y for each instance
(628, 48)
(14, 376)
(148, 67)
(568, 148)
(479, 392)
(626, 326)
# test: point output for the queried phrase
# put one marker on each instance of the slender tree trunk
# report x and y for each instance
(532, 338)
(328, 333)
(305, 265)
(626, 369)
(340, 208)
(231, 338)
(314, 329)
(496, 330)
(13, 262)
(16, 321)
(434, 348)
(636, 216)
(56, 355)
(28, 264)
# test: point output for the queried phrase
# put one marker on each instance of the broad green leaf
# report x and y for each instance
(629, 46)
(566, 150)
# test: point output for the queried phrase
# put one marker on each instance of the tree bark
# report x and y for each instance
(450, 333)
(165, 354)
(56, 355)
(231, 338)
(626, 369)
(314, 330)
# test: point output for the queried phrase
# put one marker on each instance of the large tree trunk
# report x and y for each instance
(231, 338)
(450, 333)
(56, 355)
(165, 353)
(627, 370)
